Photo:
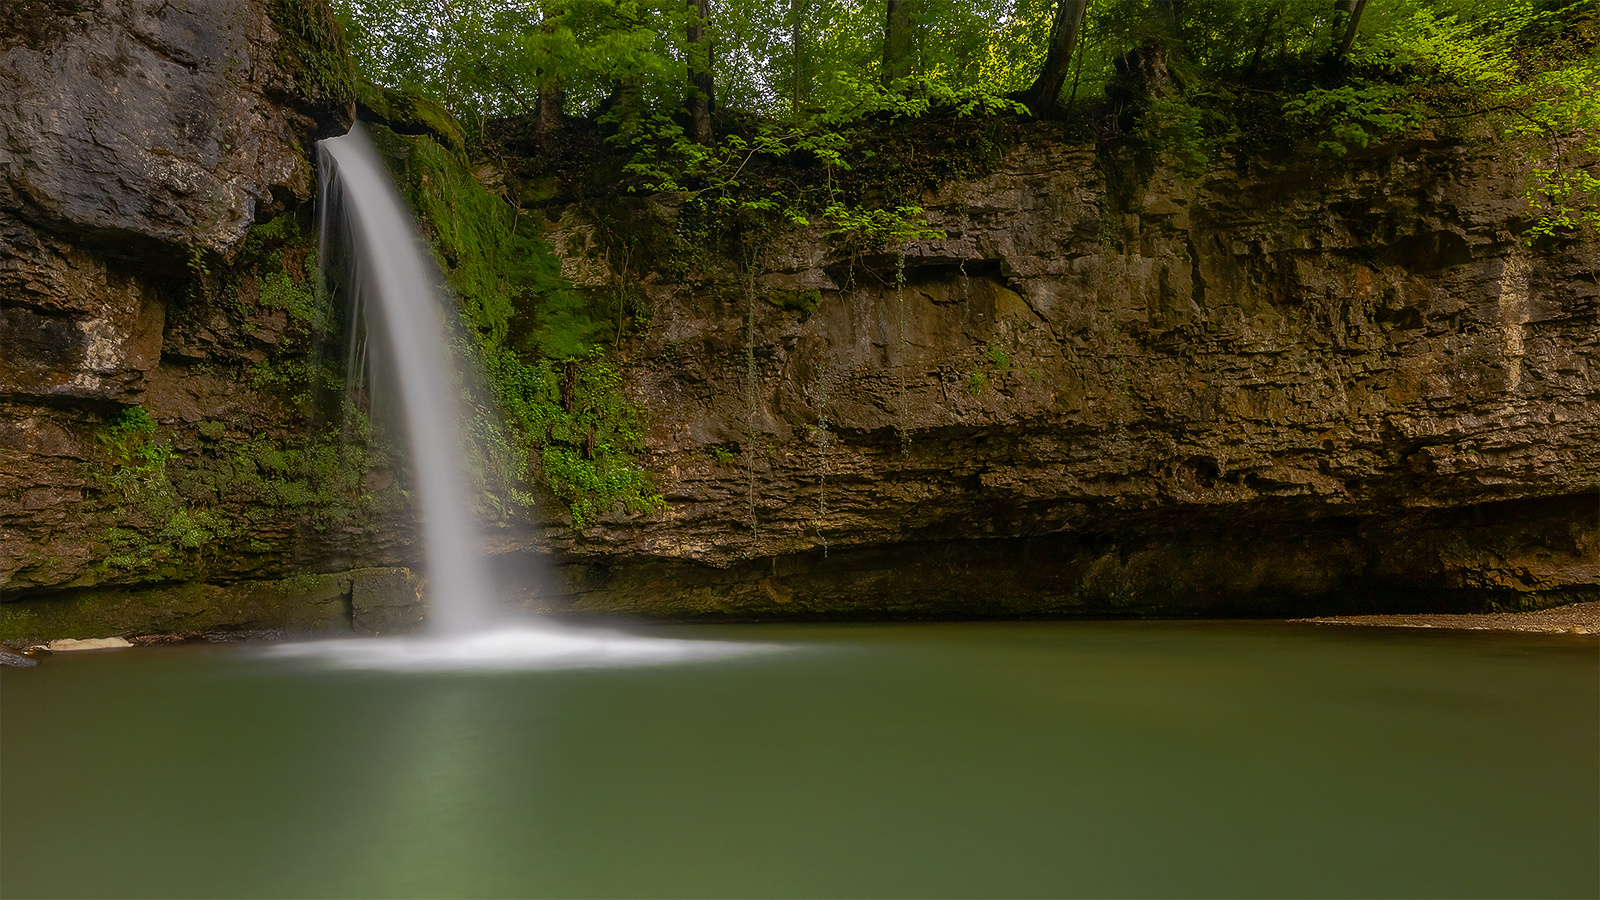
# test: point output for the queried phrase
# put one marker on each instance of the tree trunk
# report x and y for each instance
(1346, 13)
(1044, 94)
(1171, 15)
(700, 85)
(1262, 37)
(800, 75)
(550, 108)
(899, 42)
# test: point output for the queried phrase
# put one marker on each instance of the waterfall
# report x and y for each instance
(393, 283)
(402, 321)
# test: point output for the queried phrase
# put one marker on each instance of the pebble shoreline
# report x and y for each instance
(1574, 618)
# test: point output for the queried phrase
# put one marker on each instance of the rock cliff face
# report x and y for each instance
(1301, 381)
(147, 126)
(139, 142)
(1291, 385)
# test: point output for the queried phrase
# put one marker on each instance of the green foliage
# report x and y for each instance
(1561, 106)
(486, 58)
(1188, 131)
(319, 475)
(875, 229)
(296, 298)
(498, 266)
(1465, 47)
(998, 358)
(558, 396)
(585, 429)
(135, 454)
(802, 303)
(408, 108)
(1563, 200)
(1347, 117)
(995, 360)
(160, 527)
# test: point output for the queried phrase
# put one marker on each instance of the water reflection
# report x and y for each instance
(1109, 759)
(449, 795)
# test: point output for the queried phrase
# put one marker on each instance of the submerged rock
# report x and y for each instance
(16, 660)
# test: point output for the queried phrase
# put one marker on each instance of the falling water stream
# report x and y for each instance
(394, 284)
(396, 294)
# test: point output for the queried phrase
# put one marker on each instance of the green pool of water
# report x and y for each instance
(1027, 759)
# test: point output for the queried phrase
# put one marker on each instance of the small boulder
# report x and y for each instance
(7, 658)
(110, 643)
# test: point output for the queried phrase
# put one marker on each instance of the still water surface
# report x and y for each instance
(1030, 759)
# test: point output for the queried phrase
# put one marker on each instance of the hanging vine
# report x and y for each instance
(751, 395)
(902, 345)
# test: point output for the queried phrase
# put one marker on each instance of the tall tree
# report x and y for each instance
(899, 41)
(1044, 94)
(700, 83)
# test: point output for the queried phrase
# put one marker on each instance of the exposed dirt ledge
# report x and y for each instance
(1574, 618)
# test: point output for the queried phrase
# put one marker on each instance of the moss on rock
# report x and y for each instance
(312, 50)
(409, 112)
(372, 600)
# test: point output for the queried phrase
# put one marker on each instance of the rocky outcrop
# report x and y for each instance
(139, 143)
(145, 127)
(365, 601)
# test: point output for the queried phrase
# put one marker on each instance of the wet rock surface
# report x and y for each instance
(368, 601)
(139, 142)
(141, 127)
(16, 660)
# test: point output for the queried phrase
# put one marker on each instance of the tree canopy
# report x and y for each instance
(1185, 76)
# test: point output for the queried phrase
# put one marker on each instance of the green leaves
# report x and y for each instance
(1562, 108)
(162, 525)
(585, 430)
(1430, 44)
(1348, 117)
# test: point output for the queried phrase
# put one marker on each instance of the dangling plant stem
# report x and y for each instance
(824, 440)
(750, 385)
(902, 344)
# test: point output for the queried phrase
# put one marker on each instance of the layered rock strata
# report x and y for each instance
(139, 143)
(1309, 380)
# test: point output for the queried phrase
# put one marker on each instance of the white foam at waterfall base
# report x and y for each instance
(513, 647)
(390, 278)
